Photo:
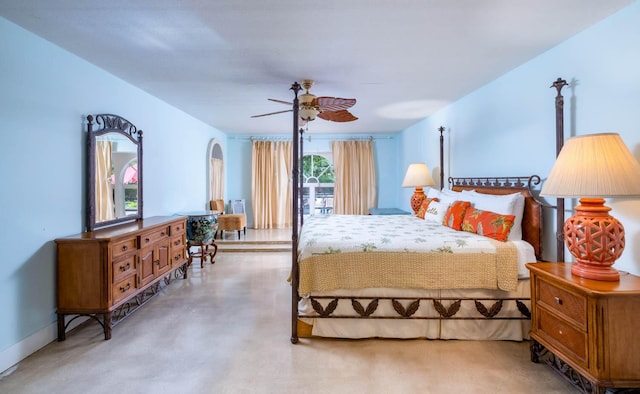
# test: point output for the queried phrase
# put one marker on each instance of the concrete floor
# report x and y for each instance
(226, 329)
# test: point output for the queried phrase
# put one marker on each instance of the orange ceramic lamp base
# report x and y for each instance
(595, 239)
(416, 199)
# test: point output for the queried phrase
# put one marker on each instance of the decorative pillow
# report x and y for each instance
(507, 204)
(455, 214)
(488, 224)
(435, 212)
(424, 206)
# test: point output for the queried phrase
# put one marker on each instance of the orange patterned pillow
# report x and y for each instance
(487, 223)
(423, 207)
(455, 214)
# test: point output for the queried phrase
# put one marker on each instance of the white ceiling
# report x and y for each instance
(219, 60)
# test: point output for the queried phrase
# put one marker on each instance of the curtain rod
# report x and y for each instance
(310, 138)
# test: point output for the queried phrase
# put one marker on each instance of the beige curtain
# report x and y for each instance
(271, 184)
(105, 209)
(216, 178)
(355, 177)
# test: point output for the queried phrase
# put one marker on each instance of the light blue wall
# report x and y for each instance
(385, 150)
(508, 126)
(45, 94)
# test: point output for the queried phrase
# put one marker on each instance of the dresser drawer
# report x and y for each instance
(124, 288)
(566, 303)
(177, 242)
(177, 256)
(124, 246)
(177, 228)
(564, 335)
(124, 267)
(153, 236)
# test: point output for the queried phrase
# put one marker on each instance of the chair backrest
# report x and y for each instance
(217, 205)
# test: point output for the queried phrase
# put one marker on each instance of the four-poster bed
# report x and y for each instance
(399, 300)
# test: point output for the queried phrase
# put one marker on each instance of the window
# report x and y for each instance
(318, 182)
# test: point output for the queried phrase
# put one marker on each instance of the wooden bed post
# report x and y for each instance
(294, 227)
(301, 178)
(559, 84)
(441, 130)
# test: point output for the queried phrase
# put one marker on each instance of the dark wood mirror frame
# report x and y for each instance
(107, 123)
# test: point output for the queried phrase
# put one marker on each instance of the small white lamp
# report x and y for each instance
(592, 167)
(417, 176)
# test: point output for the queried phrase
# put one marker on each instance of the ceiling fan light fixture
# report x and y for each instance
(308, 113)
(306, 99)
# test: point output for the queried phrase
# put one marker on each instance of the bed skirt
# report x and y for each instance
(468, 314)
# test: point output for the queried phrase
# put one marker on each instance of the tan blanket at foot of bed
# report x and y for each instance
(359, 270)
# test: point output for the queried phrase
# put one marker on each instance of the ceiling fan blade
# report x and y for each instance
(334, 103)
(337, 116)
(280, 101)
(272, 113)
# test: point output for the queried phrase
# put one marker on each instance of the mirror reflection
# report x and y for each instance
(114, 171)
(116, 177)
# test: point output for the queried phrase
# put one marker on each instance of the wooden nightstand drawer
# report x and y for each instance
(565, 335)
(568, 304)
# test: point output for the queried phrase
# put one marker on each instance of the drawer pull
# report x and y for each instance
(558, 300)
(125, 288)
(177, 257)
(147, 240)
(176, 242)
(125, 267)
(156, 262)
(162, 233)
(124, 248)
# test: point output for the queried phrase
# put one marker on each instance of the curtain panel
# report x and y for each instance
(355, 177)
(217, 179)
(271, 184)
(105, 206)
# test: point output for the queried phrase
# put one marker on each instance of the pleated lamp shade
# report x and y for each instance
(591, 167)
(595, 165)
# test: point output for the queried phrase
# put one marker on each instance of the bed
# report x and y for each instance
(399, 276)
(357, 276)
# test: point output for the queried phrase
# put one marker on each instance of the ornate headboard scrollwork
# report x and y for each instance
(114, 171)
(532, 214)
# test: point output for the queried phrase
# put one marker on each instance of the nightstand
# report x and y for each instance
(587, 330)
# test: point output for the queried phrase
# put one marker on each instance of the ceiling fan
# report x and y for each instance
(333, 109)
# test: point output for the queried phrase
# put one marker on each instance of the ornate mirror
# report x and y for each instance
(114, 171)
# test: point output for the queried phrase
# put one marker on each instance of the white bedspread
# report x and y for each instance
(395, 233)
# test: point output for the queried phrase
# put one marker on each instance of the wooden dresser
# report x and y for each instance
(587, 330)
(111, 272)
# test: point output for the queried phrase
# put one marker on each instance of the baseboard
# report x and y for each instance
(12, 355)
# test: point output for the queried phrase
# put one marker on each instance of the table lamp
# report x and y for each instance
(593, 167)
(417, 176)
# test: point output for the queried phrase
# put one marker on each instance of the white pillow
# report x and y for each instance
(433, 193)
(507, 204)
(449, 196)
(435, 211)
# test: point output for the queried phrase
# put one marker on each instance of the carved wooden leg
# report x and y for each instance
(107, 326)
(61, 334)
(212, 255)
